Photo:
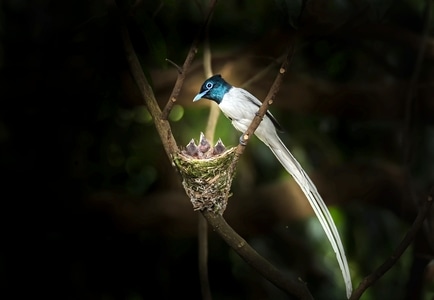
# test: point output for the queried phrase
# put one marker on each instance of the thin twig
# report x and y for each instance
(188, 60)
(175, 65)
(268, 99)
(390, 262)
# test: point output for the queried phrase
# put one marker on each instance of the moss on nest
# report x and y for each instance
(207, 181)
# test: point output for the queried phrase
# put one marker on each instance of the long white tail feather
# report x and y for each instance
(239, 106)
(293, 167)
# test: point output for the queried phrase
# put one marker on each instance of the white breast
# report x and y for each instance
(241, 107)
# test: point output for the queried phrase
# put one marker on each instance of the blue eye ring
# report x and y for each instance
(208, 85)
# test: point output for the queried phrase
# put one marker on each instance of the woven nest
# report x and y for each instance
(207, 181)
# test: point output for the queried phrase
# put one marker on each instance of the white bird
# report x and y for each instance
(240, 107)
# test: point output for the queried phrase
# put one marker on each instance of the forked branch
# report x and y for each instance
(291, 286)
(394, 257)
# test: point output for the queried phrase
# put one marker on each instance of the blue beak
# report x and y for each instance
(199, 96)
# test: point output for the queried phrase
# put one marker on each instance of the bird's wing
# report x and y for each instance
(258, 104)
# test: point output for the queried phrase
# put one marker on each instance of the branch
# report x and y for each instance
(265, 268)
(409, 237)
(268, 100)
(292, 287)
(161, 124)
(181, 73)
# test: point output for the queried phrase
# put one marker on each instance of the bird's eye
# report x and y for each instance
(208, 85)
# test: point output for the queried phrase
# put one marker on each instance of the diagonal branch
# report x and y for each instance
(265, 268)
(268, 99)
(162, 125)
(407, 240)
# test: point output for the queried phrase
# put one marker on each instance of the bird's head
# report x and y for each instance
(214, 88)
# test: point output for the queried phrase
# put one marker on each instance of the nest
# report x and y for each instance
(207, 181)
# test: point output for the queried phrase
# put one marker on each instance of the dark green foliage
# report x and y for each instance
(91, 206)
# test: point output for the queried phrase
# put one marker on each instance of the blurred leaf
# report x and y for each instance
(177, 113)
(142, 115)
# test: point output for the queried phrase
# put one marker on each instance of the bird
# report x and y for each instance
(240, 107)
(219, 148)
(191, 149)
(204, 145)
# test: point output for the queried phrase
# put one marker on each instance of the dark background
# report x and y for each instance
(91, 207)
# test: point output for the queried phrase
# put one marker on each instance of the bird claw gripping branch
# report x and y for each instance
(207, 174)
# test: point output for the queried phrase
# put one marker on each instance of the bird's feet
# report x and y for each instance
(243, 141)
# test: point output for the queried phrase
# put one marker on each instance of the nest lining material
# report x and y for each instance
(207, 181)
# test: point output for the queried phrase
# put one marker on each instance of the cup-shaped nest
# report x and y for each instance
(207, 179)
